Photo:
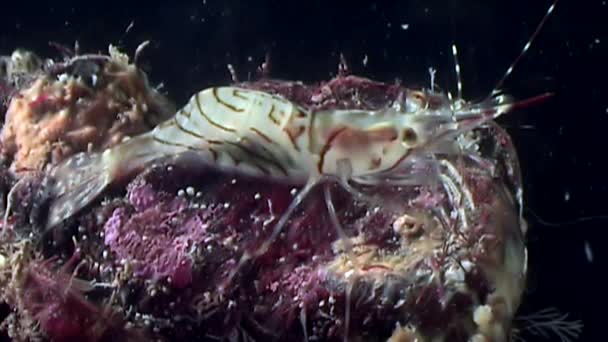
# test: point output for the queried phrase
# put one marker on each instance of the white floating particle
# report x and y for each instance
(181, 193)
(257, 196)
(131, 24)
(190, 191)
(588, 252)
(62, 77)
(366, 59)
(566, 196)
(597, 40)
(405, 26)
(293, 191)
(483, 315)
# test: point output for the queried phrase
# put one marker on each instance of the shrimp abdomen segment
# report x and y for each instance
(229, 128)
(246, 130)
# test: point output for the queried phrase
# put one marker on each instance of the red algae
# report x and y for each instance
(55, 298)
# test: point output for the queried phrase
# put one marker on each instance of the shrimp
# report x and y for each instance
(264, 135)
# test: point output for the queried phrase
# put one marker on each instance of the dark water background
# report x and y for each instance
(562, 143)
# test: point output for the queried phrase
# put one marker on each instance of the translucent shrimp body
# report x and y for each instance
(265, 135)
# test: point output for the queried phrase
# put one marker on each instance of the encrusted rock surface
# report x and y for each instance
(439, 261)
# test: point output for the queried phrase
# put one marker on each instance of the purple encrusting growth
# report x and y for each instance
(156, 234)
(339, 93)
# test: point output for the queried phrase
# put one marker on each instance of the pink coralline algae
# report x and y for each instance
(156, 235)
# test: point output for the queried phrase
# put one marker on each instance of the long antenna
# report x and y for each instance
(457, 69)
(525, 49)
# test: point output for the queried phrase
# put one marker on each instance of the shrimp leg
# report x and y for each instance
(336, 223)
(295, 203)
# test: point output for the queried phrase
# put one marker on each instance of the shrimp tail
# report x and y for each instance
(76, 182)
(80, 179)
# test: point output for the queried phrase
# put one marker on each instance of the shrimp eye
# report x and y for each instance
(419, 96)
(416, 101)
(409, 136)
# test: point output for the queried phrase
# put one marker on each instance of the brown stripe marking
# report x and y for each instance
(375, 163)
(238, 93)
(223, 103)
(269, 154)
(238, 161)
(394, 166)
(261, 168)
(271, 117)
(235, 160)
(184, 112)
(215, 142)
(313, 116)
(187, 130)
(327, 146)
(262, 135)
(200, 110)
(213, 154)
(259, 156)
(143, 154)
(294, 134)
(170, 143)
